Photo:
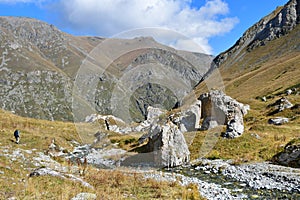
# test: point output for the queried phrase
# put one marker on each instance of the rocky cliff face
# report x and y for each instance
(39, 63)
(277, 24)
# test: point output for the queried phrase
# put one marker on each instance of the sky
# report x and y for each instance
(207, 26)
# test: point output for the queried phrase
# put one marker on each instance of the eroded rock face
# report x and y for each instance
(209, 123)
(220, 109)
(168, 145)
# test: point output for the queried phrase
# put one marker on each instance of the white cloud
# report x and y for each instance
(108, 18)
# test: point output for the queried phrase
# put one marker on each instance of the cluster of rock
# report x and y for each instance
(166, 145)
(152, 116)
(165, 136)
(279, 106)
(188, 119)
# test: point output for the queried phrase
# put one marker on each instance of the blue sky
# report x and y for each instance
(209, 26)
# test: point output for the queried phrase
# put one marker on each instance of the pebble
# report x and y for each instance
(84, 196)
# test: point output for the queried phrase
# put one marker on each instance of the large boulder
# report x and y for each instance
(168, 145)
(218, 108)
(189, 118)
(290, 156)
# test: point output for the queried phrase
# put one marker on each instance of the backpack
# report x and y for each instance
(17, 133)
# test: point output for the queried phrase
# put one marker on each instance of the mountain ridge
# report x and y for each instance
(275, 25)
(272, 38)
(40, 64)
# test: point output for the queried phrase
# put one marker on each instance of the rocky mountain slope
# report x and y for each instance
(39, 64)
(279, 23)
(264, 61)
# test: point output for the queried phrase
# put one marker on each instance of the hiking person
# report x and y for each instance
(17, 136)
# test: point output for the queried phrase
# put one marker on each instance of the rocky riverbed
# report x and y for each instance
(218, 179)
(221, 180)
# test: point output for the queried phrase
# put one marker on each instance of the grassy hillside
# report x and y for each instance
(18, 160)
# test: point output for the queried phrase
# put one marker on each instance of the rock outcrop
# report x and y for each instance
(290, 156)
(218, 108)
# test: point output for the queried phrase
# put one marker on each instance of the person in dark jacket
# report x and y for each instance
(17, 136)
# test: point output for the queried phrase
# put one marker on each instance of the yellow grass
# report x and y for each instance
(108, 184)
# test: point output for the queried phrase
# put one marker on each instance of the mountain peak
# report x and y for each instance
(275, 25)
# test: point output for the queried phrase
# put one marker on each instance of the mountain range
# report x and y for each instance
(48, 74)
(41, 66)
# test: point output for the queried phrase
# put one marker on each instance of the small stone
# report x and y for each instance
(289, 92)
(85, 196)
(243, 184)
(256, 136)
(278, 120)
